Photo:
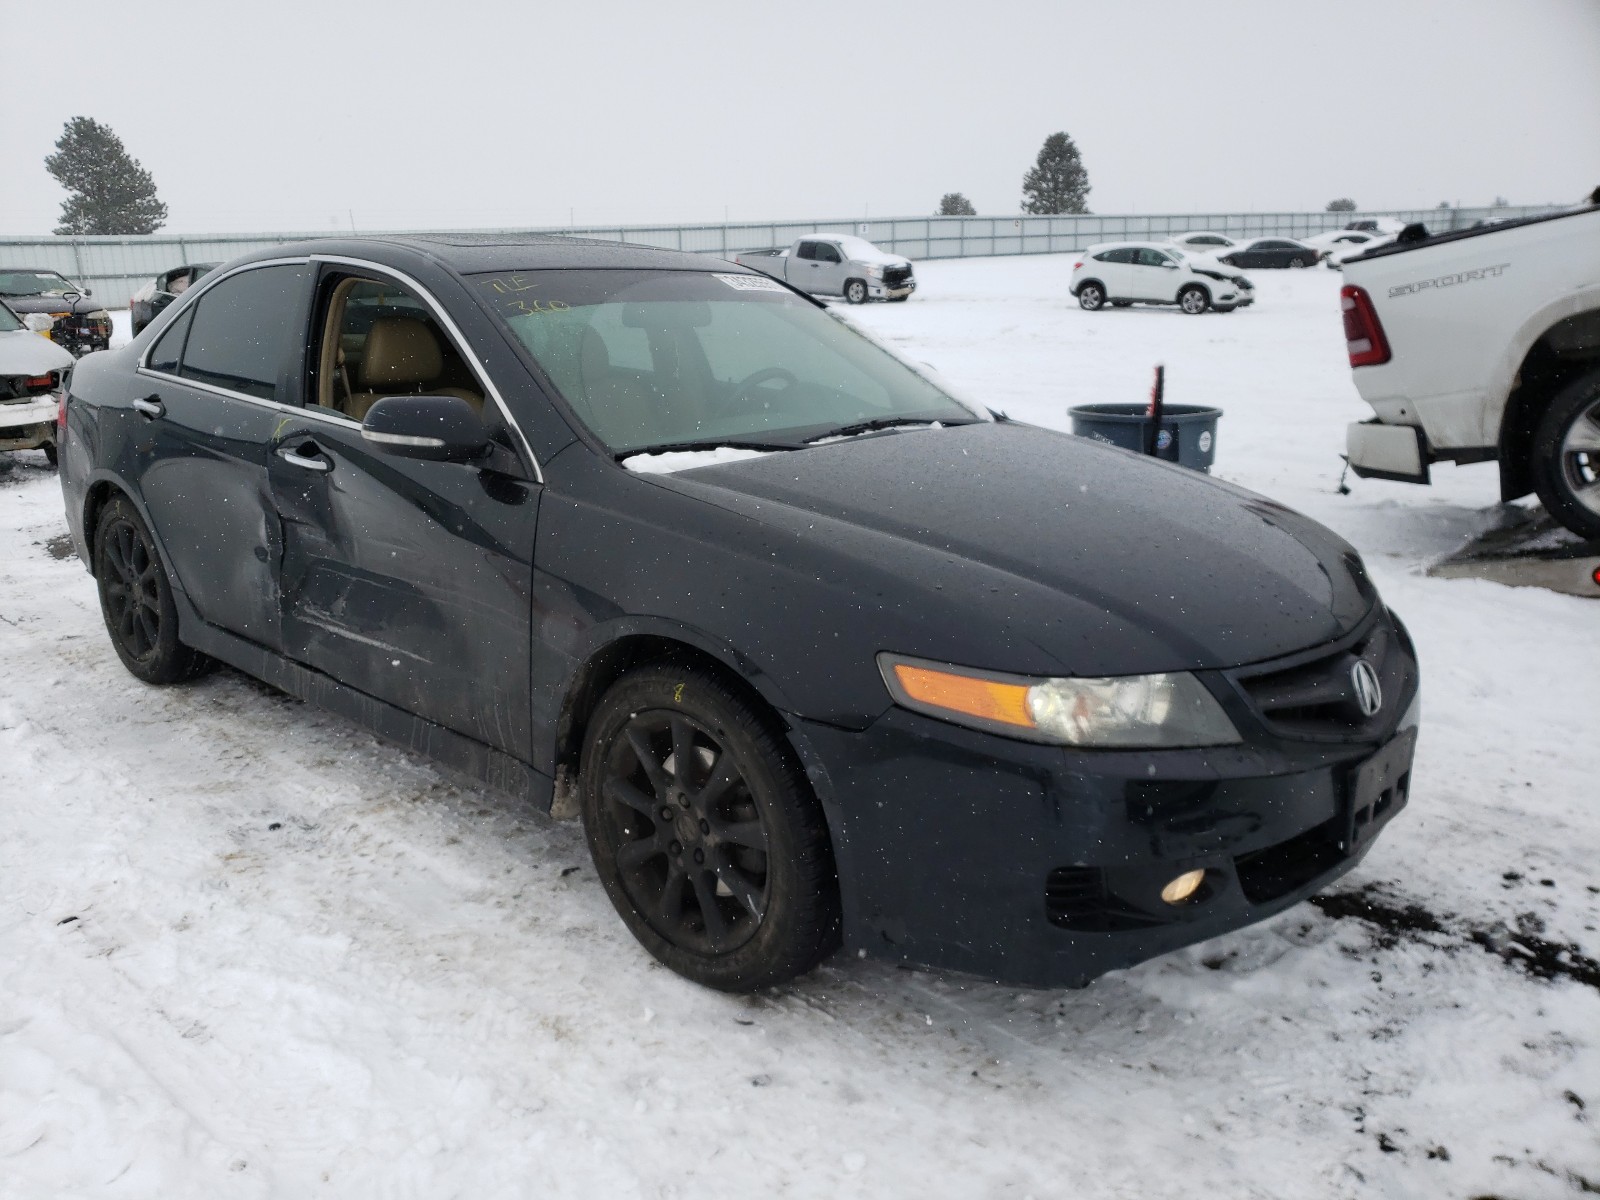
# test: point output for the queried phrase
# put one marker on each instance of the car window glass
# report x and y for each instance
(379, 339)
(1151, 258)
(8, 321)
(242, 329)
(807, 250)
(168, 350)
(725, 360)
(827, 253)
(1105, 256)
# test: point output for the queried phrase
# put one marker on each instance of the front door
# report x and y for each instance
(831, 269)
(209, 399)
(404, 579)
(1153, 275)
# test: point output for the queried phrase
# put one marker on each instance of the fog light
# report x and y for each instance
(1184, 886)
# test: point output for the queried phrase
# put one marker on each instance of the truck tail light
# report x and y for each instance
(1363, 332)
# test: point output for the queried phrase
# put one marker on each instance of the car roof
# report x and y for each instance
(468, 253)
(34, 270)
(1120, 245)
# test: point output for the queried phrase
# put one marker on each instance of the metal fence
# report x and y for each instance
(116, 267)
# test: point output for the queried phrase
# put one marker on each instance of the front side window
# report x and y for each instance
(648, 359)
(1151, 258)
(242, 331)
(827, 253)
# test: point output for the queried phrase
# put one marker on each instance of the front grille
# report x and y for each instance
(896, 276)
(1313, 695)
(1077, 898)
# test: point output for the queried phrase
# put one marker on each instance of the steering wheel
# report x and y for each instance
(755, 379)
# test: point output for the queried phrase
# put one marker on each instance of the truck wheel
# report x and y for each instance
(1193, 300)
(705, 832)
(1091, 296)
(1565, 456)
(855, 291)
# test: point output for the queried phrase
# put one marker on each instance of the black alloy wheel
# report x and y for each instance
(136, 600)
(1565, 456)
(855, 291)
(1091, 296)
(705, 833)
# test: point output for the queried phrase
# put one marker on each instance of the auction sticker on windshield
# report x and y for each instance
(752, 283)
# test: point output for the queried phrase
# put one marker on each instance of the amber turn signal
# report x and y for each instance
(985, 699)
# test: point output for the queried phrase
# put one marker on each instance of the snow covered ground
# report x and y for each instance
(248, 951)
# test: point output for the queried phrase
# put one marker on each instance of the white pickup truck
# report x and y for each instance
(835, 265)
(1484, 344)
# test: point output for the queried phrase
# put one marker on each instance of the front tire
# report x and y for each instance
(1565, 456)
(1298, 262)
(705, 833)
(855, 291)
(1091, 296)
(1193, 300)
(136, 600)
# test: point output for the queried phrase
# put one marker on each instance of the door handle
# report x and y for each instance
(149, 406)
(303, 461)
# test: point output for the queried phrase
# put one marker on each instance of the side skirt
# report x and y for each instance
(488, 766)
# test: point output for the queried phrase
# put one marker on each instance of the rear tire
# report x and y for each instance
(136, 600)
(1565, 456)
(1193, 300)
(855, 291)
(705, 832)
(1091, 296)
(1297, 261)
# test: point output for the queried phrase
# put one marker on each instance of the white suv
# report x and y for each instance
(1153, 273)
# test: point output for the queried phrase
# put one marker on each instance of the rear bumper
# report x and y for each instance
(27, 424)
(1037, 866)
(1378, 451)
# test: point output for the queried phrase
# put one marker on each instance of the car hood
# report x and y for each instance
(23, 352)
(50, 304)
(1082, 558)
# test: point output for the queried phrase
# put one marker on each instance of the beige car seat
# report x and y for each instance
(401, 357)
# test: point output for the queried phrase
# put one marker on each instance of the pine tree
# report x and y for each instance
(1057, 182)
(1342, 204)
(107, 190)
(954, 204)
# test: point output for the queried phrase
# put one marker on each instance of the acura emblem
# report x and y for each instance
(1369, 693)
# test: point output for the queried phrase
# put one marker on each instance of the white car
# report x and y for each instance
(1339, 244)
(1123, 273)
(33, 377)
(1203, 241)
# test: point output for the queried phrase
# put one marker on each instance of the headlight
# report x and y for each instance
(1127, 712)
(875, 271)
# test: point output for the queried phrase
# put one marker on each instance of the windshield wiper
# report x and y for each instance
(706, 444)
(882, 423)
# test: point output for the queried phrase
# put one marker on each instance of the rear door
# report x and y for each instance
(210, 396)
(1114, 268)
(404, 579)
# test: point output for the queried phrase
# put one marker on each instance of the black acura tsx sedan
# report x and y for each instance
(822, 653)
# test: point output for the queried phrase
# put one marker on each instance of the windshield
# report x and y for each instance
(8, 320)
(653, 359)
(33, 283)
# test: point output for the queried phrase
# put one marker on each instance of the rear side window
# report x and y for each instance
(242, 329)
(168, 352)
(807, 250)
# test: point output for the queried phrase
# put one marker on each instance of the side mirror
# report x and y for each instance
(435, 428)
(1170, 265)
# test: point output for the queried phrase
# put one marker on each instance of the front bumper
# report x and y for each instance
(27, 424)
(1040, 866)
(878, 290)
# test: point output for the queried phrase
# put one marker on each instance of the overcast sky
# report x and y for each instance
(296, 115)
